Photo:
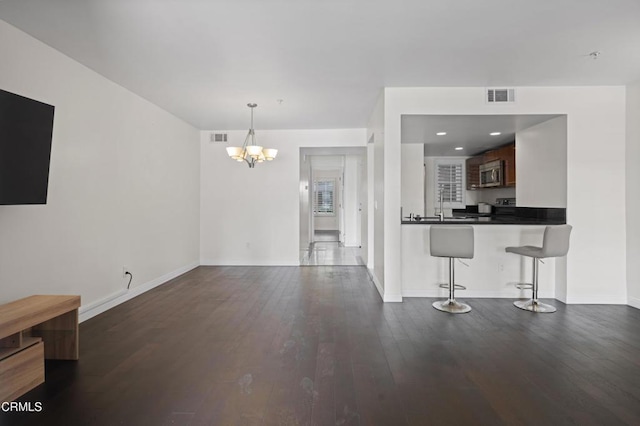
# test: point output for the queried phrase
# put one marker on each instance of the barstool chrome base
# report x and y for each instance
(524, 286)
(451, 306)
(534, 306)
(458, 286)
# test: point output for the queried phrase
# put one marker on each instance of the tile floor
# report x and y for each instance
(326, 250)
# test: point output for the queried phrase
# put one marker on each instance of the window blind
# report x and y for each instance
(323, 196)
(450, 182)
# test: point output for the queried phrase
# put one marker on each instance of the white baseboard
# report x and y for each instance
(99, 306)
(91, 310)
(634, 302)
(392, 298)
(562, 298)
(231, 262)
(375, 280)
(594, 299)
(385, 297)
(497, 294)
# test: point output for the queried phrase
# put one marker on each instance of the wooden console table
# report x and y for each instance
(32, 329)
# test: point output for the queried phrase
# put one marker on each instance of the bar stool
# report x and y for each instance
(555, 243)
(453, 242)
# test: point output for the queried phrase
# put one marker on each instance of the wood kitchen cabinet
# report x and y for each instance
(473, 172)
(506, 154)
(508, 157)
(490, 156)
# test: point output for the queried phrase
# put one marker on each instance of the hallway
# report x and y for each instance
(326, 250)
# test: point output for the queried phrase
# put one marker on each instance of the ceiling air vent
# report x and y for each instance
(499, 96)
(218, 137)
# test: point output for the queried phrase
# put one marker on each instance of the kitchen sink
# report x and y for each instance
(430, 219)
(449, 219)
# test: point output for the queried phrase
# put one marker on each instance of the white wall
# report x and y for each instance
(430, 193)
(123, 184)
(251, 216)
(633, 193)
(306, 203)
(351, 237)
(541, 164)
(370, 210)
(363, 207)
(377, 192)
(596, 261)
(412, 190)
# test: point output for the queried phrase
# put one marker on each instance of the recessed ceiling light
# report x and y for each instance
(459, 148)
(495, 133)
(441, 133)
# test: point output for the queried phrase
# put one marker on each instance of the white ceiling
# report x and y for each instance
(471, 132)
(205, 60)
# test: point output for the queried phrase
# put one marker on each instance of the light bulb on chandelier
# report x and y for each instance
(249, 151)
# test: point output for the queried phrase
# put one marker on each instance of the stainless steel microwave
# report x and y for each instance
(491, 174)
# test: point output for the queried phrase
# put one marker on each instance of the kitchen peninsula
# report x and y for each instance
(492, 272)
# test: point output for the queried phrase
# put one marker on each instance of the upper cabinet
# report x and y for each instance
(506, 154)
(490, 156)
(473, 172)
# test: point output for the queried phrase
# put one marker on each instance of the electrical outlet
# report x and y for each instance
(501, 267)
(124, 271)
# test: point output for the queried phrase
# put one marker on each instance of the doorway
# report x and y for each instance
(331, 212)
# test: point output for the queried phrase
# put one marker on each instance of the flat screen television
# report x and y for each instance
(26, 127)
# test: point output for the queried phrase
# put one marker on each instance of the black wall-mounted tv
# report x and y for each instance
(26, 127)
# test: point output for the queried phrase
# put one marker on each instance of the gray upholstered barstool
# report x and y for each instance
(555, 243)
(452, 241)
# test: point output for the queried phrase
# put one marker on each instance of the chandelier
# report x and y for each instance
(249, 151)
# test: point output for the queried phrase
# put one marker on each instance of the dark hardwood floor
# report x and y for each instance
(316, 346)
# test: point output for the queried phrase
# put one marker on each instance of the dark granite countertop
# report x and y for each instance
(504, 216)
(490, 220)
